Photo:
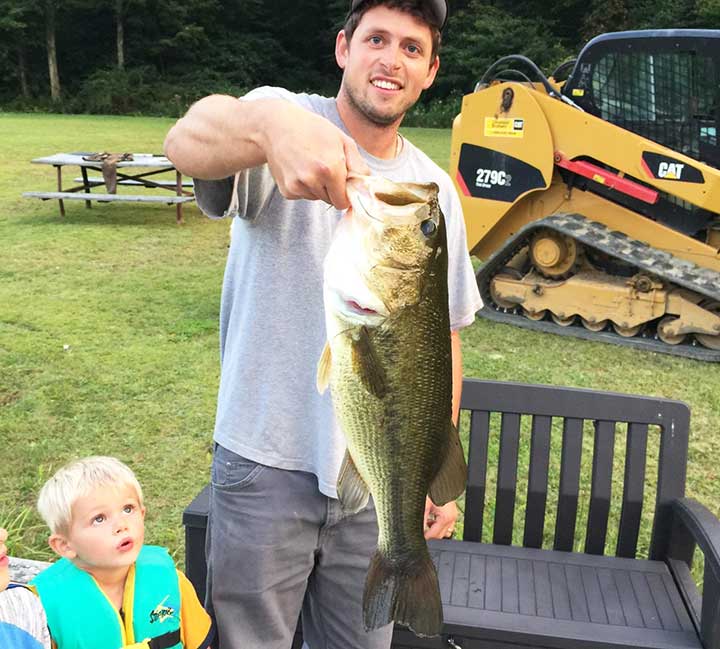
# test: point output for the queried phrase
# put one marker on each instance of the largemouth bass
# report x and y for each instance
(389, 367)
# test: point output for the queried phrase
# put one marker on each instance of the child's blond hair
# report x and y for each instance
(77, 479)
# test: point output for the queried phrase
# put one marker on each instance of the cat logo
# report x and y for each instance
(161, 612)
(670, 170)
(662, 167)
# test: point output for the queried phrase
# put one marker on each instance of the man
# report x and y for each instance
(278, 541)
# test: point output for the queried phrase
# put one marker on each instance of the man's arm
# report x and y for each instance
(308, 156)
(440, 521)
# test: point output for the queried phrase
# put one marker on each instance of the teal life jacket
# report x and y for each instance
(80, 615)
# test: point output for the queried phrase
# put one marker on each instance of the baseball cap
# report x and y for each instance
(438, 7)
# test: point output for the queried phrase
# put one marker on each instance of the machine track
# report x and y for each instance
(616, 244)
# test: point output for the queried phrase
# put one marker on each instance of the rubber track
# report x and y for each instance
(645, 258)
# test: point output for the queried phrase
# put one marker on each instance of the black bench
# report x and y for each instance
(549, 590)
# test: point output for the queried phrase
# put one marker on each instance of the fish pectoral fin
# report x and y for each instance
(323, 371)
(352, 491)
(450, 480)
(366, 365)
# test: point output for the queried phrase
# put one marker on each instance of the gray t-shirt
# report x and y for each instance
(272, 323)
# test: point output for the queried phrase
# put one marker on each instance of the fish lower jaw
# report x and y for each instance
(353, 312)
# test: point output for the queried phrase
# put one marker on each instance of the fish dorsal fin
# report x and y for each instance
(449, 482)
(366, 366)
(352, 491)
(323, 370)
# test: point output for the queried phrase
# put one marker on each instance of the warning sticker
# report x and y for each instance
(578, 92)
(506, 127)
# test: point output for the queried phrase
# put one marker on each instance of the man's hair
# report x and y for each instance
(77, 479)
(416, 8)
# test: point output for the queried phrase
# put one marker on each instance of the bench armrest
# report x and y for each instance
(695, 525)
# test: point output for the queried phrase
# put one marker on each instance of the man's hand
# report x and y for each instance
(440, 521)
(310, 157)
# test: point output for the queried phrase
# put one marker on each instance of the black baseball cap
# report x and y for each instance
(438, 7)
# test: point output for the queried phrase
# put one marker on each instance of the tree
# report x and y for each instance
(50, 43)
(15, 16)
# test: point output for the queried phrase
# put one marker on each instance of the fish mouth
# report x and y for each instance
(352, 305)
(357, 311)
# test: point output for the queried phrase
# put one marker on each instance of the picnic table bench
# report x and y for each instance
(546, 591)
(136, 173)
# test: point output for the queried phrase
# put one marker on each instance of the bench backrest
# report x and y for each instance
(569, 410)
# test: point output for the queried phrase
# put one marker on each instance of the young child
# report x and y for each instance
(109, 590)
(22, 618)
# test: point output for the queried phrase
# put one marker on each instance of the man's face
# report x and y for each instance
(387, 64)
(107, 529)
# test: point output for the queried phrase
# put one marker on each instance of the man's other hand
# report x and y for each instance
(440, 521)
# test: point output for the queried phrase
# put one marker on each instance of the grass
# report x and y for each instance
(108, 339)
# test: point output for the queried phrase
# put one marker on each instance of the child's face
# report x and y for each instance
(107, 530)
(4, 561)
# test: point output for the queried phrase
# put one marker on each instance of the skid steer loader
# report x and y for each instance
(594, 201)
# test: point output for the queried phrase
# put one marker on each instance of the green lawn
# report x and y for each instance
(108, 337)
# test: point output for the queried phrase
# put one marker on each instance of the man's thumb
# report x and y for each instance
(354, 162)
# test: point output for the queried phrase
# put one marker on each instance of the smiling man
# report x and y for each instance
(279, 542)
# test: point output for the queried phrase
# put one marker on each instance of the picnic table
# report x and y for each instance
(135, 173)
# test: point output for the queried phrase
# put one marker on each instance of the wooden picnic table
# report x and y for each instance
(135, 173)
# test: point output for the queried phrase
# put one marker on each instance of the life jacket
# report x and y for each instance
(80, 615)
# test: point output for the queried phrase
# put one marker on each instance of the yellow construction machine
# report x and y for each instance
(594, 200)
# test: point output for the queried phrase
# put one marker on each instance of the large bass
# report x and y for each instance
(389, 367)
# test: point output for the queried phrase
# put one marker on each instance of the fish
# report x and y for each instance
(388, 364)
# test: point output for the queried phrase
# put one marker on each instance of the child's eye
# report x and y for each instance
(129, 509)
(100, 518)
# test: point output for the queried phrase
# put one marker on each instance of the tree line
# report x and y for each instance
(158, 56)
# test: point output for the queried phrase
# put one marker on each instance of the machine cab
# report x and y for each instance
(663, 85)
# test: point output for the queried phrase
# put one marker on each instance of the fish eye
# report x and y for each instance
(428, 227)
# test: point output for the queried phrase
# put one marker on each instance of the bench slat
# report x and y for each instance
(665, 609)
(526, 587)
(569, 484)
(596, 604)
(110, 198)
(601, 487)
(576, 591)
(672, 475)
(477, 474)
(97, 180)
(633, 491)
(507, 478)
(537, 482)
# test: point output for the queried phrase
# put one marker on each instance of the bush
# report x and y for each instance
(437, 113)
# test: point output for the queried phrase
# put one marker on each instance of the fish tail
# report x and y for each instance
(407, 593)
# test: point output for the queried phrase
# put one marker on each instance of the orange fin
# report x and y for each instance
(323, 370)
(353, 493)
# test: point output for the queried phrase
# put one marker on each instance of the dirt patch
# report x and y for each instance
(6, 398)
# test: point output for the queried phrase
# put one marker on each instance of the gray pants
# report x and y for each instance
(276, 547)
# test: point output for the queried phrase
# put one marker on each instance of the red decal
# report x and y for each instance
(461, 181)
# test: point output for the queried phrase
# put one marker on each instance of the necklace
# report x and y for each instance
(398, 145)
